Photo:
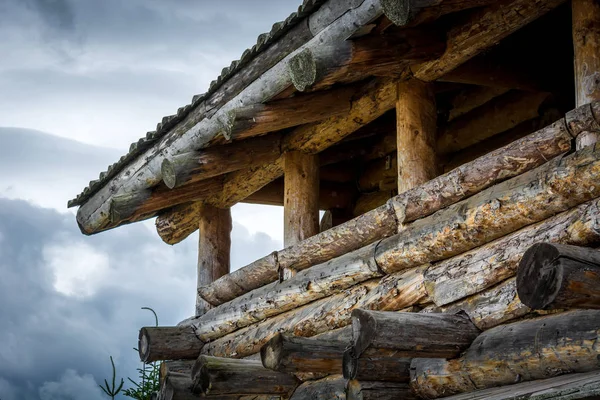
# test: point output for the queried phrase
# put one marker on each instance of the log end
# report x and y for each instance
(349, 363)
(144, 346)
(270, 353)
(397, 11)
(303, 70)
(363, 330)
(169, 176)
(200, 377)
(539, 276)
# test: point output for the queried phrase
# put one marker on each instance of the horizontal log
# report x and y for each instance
(521, 351)
(476, 270)
(376, 365)
(555, 276)
(285, 353)
(374, 55)
(570, 386)
(331, 387)
(394, 292)
(412, 334)
(471, 98)
(168, 343)
(413, 12)
(560, 184)
(214, 376)
(308, 285)
(500, 114)
(365, 390)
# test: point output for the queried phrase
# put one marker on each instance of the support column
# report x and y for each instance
(214, 249)
(586, 45)
(301, 197)
(416, 121)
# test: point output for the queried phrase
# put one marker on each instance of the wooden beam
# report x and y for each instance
(559, 184)
(586, 45)
(392, 293)
(499, 115)
(306, 286)
(301, 197)
(373, 55)
(481, 268)
(521, 351)
(467, 180)
(213, 376)
(413, 12)
(285, 353)
(471, 98)
(374, 390)
(483, 28)
(412, 334)
(416, 115)
(558, 276)
(214, 248)
(376, 365)
(168, 343)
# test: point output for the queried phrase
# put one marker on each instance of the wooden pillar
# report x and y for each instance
(213, 249)
(416, 134)
(301, 197)
(586, 45)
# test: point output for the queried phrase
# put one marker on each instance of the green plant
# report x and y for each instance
(148, 378)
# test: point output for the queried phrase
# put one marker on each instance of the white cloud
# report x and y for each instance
(71, 386)
(78, 268)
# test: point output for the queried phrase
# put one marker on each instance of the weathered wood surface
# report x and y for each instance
(560, 184)
(301, 197)
(502, 113)
(476, 270)
(168, 343)
(586, 46)
(412, 12)
(308, 285)
(388, 54)
(394, 292)
(332, 388)
(183, 367)
(177, 387)
(376, 365)
(365, 390)
(556, 276)
(416, 116)
(521, 351)
(285, 353)
(570, 386)
(412, 334)
(214, 248)
(502, 139)
(483, 29)
(214, 376)
(471, 98)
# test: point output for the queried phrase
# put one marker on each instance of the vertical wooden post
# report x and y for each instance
(586, 45)
(213, 248)
(416, 122)
(301, 197)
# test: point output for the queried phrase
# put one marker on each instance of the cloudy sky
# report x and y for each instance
(79, 81)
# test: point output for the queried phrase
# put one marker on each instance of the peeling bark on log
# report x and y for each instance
(483, 29)
(394, 292)
(361, 390)
(416, 115)
(502, 113)
(168, 343)
(571, 386)
(301, 197)
(214, 247)
(559, 185)
(311, 284)
(476, 270)
(353, 60)
(331, 388)
(285, 353)
(555, 276)
(412, 334)
(522, 351)
(214, 376)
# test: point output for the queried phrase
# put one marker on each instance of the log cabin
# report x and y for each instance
(451, 145)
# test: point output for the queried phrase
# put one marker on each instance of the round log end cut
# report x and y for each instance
(270, 353)
(397, 11)
(169, 175)
(539, 276)
(303, 70)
